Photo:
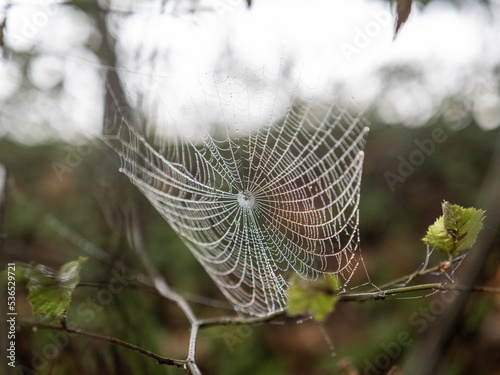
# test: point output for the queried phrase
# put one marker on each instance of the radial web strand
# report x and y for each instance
(276, 191)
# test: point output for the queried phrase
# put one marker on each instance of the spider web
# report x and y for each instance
(257, 173)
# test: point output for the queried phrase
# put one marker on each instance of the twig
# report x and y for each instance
(235, 320)
(109, 339)
(349, 297)
(417, 273)
(196, 324)
(165, 291)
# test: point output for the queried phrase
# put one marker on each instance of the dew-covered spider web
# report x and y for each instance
(257, 172)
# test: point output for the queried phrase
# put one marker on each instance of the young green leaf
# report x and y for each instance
(49, 291)
(456, 230)
(318, 297)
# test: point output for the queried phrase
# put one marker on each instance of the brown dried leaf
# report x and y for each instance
(403, 9)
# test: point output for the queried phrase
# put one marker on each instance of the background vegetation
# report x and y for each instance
(50, 220)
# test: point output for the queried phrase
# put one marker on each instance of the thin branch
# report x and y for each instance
(380, 295)
(108, 339)
(349, 297)
(233, 320)
(420, 272)
(2, 34)
(160, 284)
(197, 324)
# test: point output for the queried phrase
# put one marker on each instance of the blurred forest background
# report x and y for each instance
(64, 196)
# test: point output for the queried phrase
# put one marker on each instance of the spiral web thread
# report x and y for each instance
(276, 192)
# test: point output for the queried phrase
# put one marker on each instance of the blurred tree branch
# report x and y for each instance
(190, 363)
(115, 102)
(2, 32)
(109, 339)
(438, 337)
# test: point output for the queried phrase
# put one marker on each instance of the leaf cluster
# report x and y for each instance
(456, 230)
(316, 297)
(50, 291)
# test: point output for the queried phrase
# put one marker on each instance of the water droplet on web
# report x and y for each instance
(218, 178)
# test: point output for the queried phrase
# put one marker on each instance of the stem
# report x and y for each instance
(232, 320)
(108, 339)
(190, 363)
(165, 291)
(407, 278)
(383, 293)
(348, 297)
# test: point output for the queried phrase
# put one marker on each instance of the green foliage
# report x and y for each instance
(49, 291)
(456, 230)
(318, 297)
(388, 221)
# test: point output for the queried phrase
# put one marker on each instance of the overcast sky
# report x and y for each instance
(335, 43)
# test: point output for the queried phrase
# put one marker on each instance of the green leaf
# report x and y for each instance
(49, 291)
(318, 297)
(456, 230)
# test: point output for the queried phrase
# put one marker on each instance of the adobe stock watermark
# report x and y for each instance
(420, 320)
(38, 20)
(243, 332)
(456, 114)
(454, 117)
(360, 46)
(407, 165)
(222, 7)
(73, 159)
